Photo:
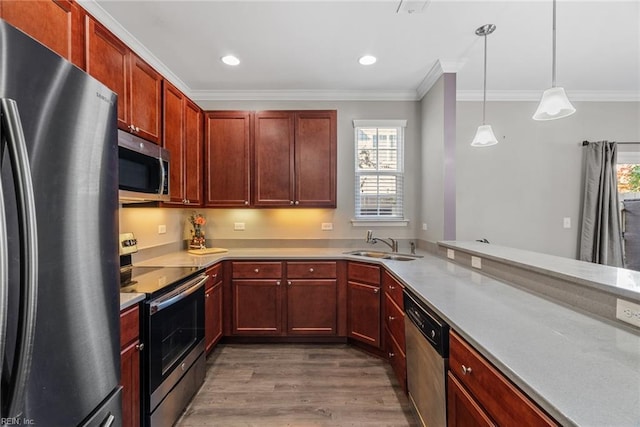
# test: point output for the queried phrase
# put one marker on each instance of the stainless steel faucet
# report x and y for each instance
(393, 244)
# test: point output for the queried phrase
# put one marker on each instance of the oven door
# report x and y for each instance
(175, 329)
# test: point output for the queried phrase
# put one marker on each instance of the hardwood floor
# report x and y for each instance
(297, 385)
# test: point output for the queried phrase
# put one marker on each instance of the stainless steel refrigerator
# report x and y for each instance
(59, 298)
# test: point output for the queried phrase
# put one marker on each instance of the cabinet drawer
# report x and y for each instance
(398, 360)
(393, 288)
(257, 270)
(394, 319)
(129, 325)
(366, 273)
(491, 388)
(311, 270)
(215, 275)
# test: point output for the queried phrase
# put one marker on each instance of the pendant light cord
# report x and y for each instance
(484, 87)
(553, 49)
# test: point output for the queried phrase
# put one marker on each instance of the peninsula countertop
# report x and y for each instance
(581, 369)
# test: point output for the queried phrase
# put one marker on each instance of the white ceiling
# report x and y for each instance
(309, 49)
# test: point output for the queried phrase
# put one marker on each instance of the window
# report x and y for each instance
(379, 169)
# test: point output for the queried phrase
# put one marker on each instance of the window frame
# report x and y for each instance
(385, 220)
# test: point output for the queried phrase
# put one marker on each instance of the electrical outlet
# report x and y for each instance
(162, 229)
(566, 222)
(451, 254)
(238, 226)
(476, 262)
(424, 226)
(327, 226)
(628, 312)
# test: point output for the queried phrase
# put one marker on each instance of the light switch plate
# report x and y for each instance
(162, 229)
(628, 312)
(327, 226)
(451, 254)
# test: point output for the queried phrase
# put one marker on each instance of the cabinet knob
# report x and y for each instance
(291, 202)
(391, 355)
(246, 203)
(257, 270)
(206, 295)
(277, 282)
(466, 370)
(137, 129)
(311, 270)
(376, 290)
(140, 346)
(297, 202)
(391, 318)
(391, 287)
(289, 282)
(214, 276)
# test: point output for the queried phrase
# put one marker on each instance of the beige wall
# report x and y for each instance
(517, 192)
(297, 223)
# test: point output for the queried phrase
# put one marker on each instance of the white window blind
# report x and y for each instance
(379, 169)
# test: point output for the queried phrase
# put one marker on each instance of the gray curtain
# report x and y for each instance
(601, 236)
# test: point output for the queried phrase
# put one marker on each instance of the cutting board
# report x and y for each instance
(207, 251)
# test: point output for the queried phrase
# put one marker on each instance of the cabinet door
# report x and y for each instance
(274, 159)
(107, 59)
(213, 314)
(57, 24)
(312, 307)
(193, 153)
(257, 307)
(364, 313)
(130, 382)
(228, 136)
(174, 123)
(462, 409)
(145, 99)
(315, 158)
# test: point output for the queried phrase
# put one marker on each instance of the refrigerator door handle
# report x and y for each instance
(25, 201)
(4, 279)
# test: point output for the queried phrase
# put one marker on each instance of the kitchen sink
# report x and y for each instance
(384, 255)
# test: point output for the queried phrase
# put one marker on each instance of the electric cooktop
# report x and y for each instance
(152, 280)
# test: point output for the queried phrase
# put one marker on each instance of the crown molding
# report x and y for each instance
(437, 70)
(133, 43)
(303, 95)
(534, 95)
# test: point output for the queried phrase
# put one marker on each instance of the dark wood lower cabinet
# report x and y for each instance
(257, 307)
(364, 313)
(312, 307)
(462, 409)
(130, 347)
(213, 308)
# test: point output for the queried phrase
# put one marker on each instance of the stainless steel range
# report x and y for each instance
(173, 361)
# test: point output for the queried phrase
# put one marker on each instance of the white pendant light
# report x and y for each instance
(554, 103)
(484, 135)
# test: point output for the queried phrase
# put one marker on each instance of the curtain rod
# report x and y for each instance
(622, 143)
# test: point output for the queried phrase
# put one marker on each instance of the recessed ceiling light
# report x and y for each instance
(367, 60)
(230, 60)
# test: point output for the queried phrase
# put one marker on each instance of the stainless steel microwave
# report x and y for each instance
(143, 170)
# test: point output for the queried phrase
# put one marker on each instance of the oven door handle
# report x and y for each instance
(179, 294)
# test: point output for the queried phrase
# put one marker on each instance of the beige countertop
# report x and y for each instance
(582, 370)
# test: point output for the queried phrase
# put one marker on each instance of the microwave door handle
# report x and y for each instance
(163, 173)
(25, 201)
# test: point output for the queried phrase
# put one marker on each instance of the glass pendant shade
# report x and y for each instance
(554, 105)
(484, 137)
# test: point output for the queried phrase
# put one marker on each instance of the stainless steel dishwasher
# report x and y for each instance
(427, 345)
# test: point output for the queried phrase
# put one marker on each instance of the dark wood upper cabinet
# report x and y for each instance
(58, 24)
(193, 139)
(228, 144)
(315, 158)
(182, 135)
(274, 158)
(139, 87)
(174, 126)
